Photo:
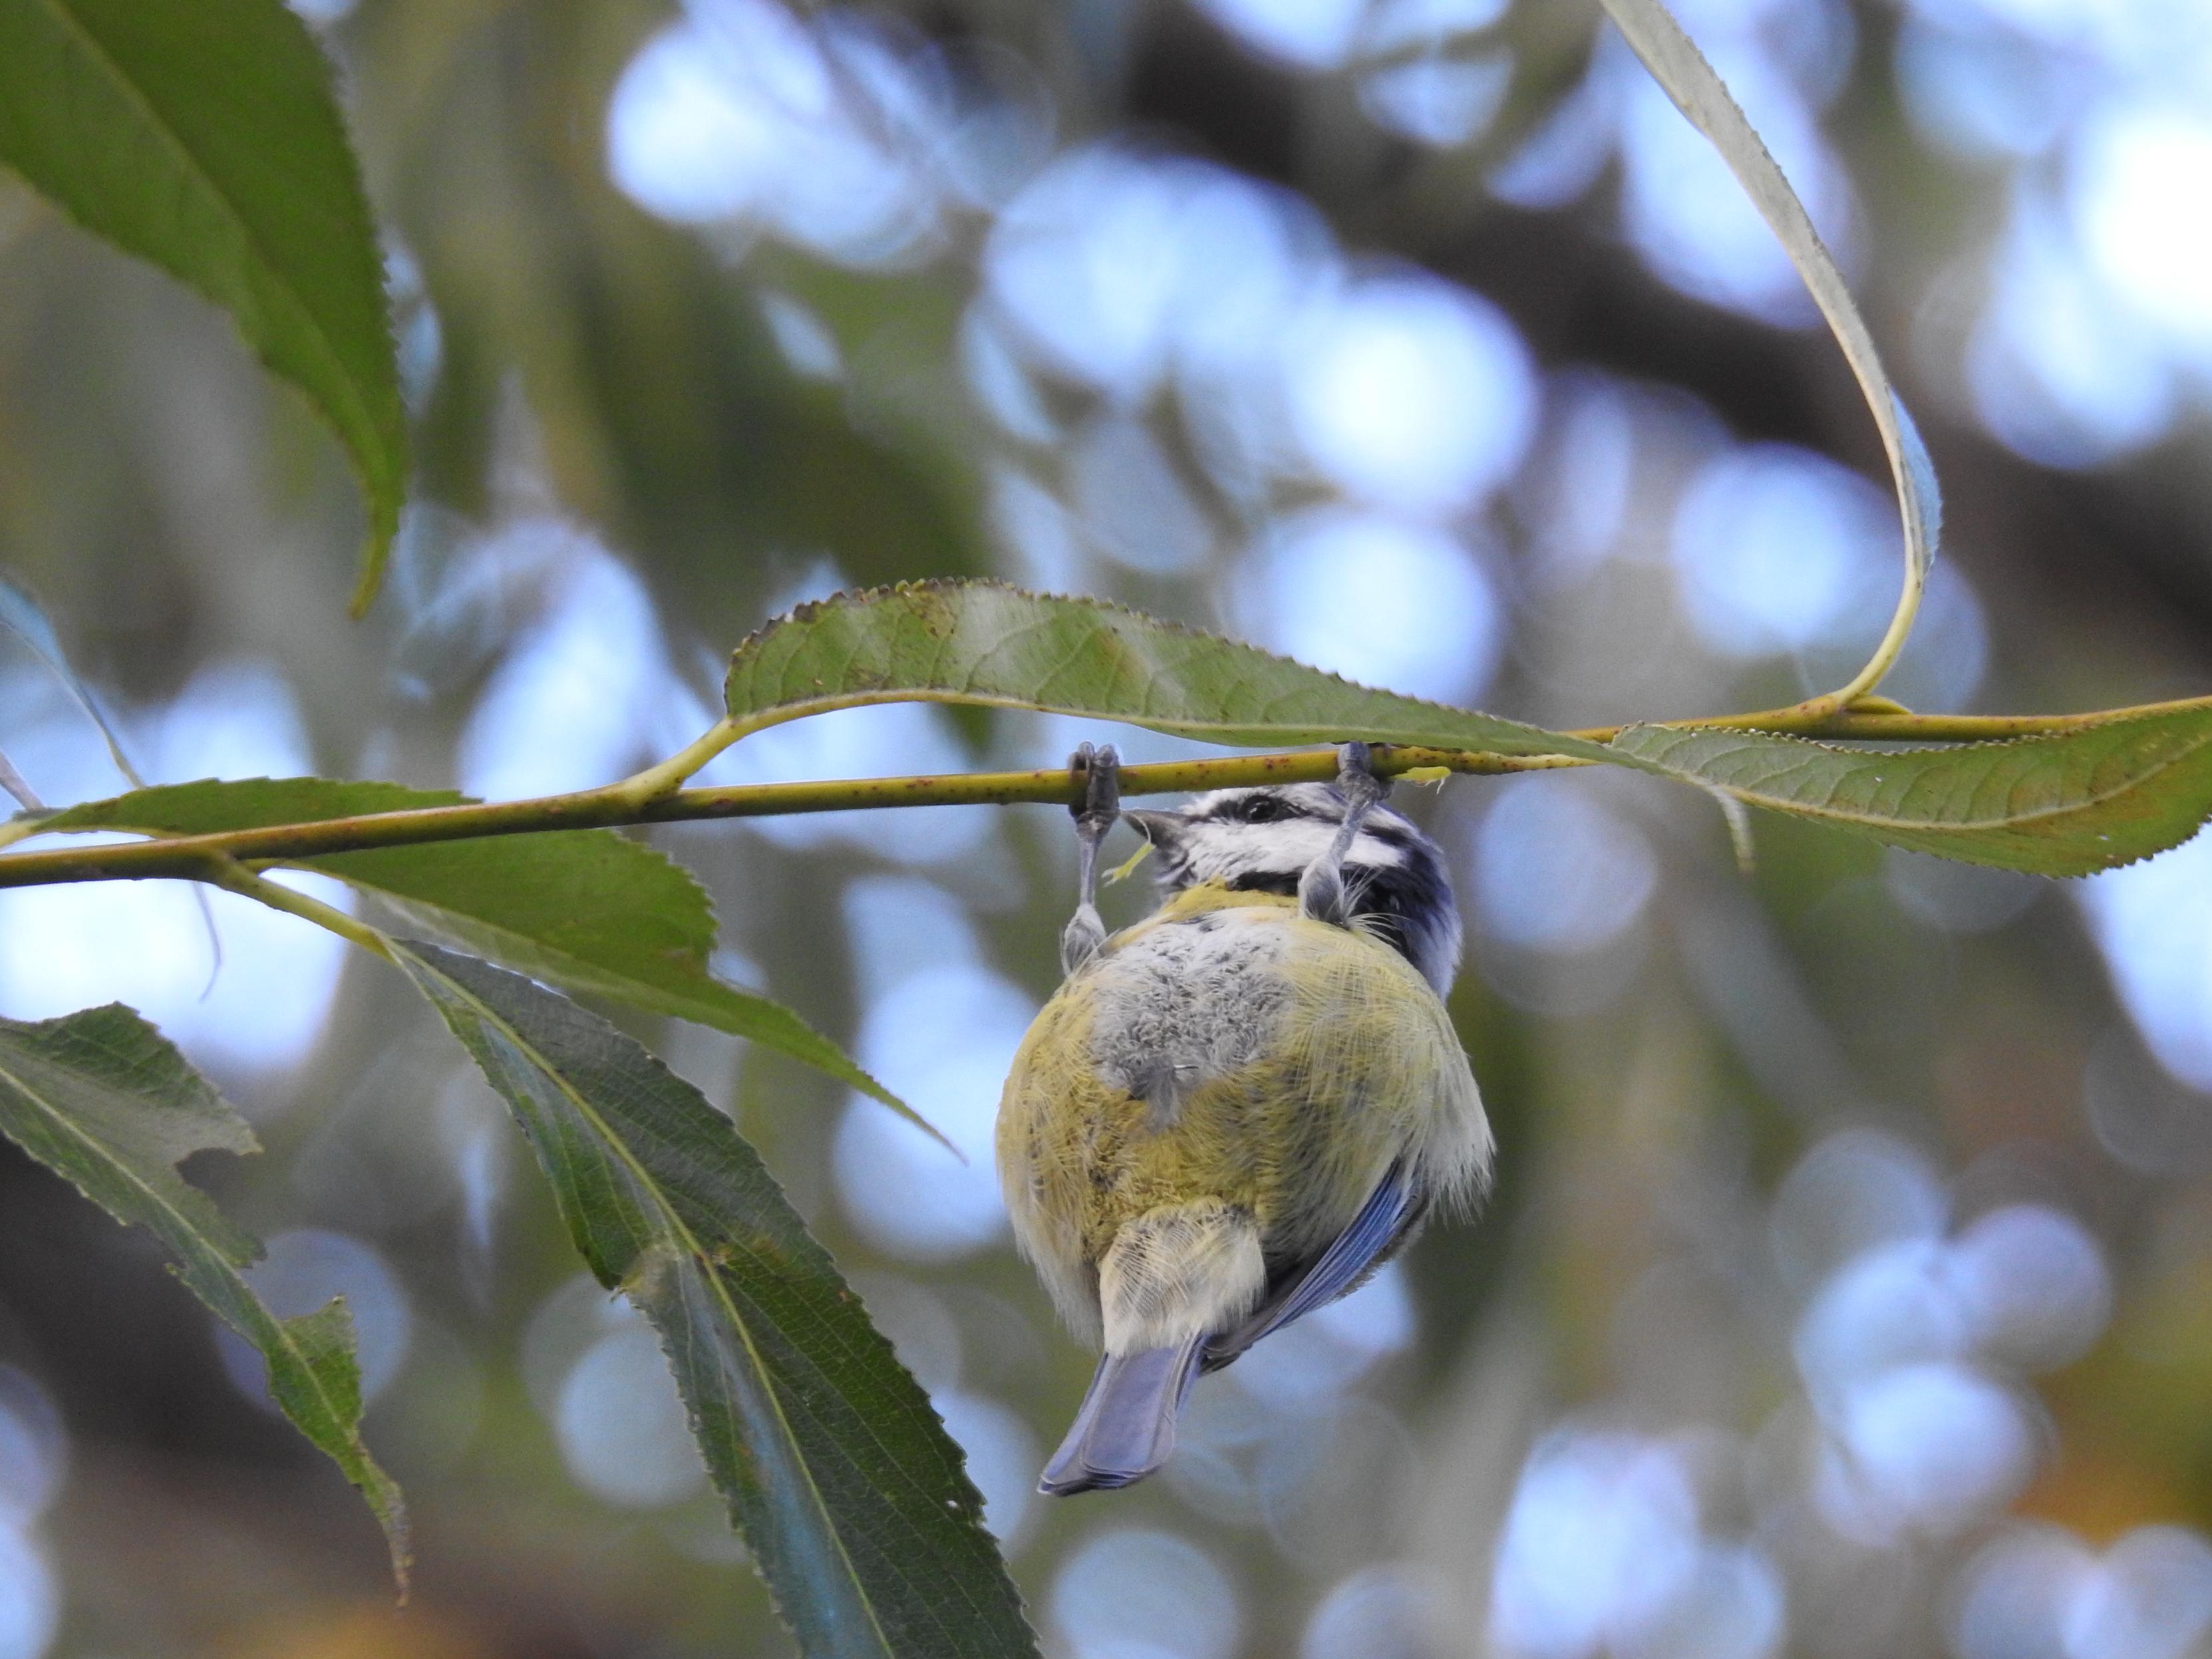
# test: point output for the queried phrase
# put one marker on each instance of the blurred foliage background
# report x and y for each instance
(1845, 1289)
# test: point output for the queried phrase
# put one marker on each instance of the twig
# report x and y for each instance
(653, 797)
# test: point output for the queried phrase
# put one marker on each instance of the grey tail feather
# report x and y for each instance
(1127, 1427)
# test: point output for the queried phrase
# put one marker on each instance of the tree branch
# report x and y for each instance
(198, 857)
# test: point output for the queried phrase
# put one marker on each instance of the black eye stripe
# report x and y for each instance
(1283, 882)
(1276, 809)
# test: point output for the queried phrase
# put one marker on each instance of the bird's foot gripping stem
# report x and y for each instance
(1322, 895)
(1099, 771)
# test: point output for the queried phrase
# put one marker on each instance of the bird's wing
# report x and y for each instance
(1382, 1220)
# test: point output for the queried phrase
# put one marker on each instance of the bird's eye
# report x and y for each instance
(1261, 809)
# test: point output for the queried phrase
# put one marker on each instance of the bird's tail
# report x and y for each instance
(1127, 1427)
(1170, 1276)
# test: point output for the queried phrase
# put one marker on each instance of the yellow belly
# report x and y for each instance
(1227, 1049)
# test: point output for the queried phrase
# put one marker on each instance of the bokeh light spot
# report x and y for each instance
(1133, 1590)
(943, 1040)
(1557, 869)
(302, 1272)
(1410, 394)
(1382, 601)
(622, 1428)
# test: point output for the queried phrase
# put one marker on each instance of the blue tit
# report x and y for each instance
(1233, 1112)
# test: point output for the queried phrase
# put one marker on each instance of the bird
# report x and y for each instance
(1234, 1111)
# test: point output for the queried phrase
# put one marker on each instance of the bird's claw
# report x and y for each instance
(1322, 895)
(1098, 771)
(1355, 777)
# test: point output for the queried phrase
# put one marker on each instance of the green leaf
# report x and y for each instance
(588, 909)
(2066, 805)
(201, 134)
(104, 1101)
(1701, 95)
(849, 1493)
(983, 643)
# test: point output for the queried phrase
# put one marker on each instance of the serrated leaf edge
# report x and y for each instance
(693, 1247)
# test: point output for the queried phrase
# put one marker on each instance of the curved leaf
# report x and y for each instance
(1677, 64)
(2086, 800)
(21, 615)
(849, 1491)
(2066, 805)
(104, 1101)
(589, 910)
(201, 134)
(18, 787)
(984, 642)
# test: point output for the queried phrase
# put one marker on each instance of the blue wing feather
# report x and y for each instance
(1389, 1210)
(1127, 1427)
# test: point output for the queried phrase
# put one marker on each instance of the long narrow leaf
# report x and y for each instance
(2065, 806)
(22, 616)
(849, 1491)
(201, 134)
(588, 909)
(987, 643)
(1677, 64)
(104, 1101)
(18, 787)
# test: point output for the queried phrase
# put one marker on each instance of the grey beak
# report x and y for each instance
(1161, 828)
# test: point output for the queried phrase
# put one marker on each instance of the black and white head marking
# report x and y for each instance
(1262, 839)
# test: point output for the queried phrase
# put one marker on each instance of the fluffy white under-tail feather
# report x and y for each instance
(1174, 1274)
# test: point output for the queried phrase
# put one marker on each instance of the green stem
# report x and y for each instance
(236, 879)
(1877, 720)
(190, 856)
(651, 797)
(658, 782)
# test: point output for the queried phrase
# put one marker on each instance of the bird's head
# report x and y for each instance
(1262, 839)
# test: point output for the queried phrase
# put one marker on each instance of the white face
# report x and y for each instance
(1266, 839)
(1236, 836)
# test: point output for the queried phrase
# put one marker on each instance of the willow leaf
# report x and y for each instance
(104, 1101)
(1677, 64)
(22, 616)
(851, 1497)
(2070, 805)
(987, 643)
(201, 134)
(588, 909)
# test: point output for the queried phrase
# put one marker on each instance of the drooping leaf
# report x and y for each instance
(22, 616)
(589, 910)
(18, 787)
(2066, 805)
(987, 643)
(202, 134)
(104, 1101)
(844, 1484)
(1677, 64)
